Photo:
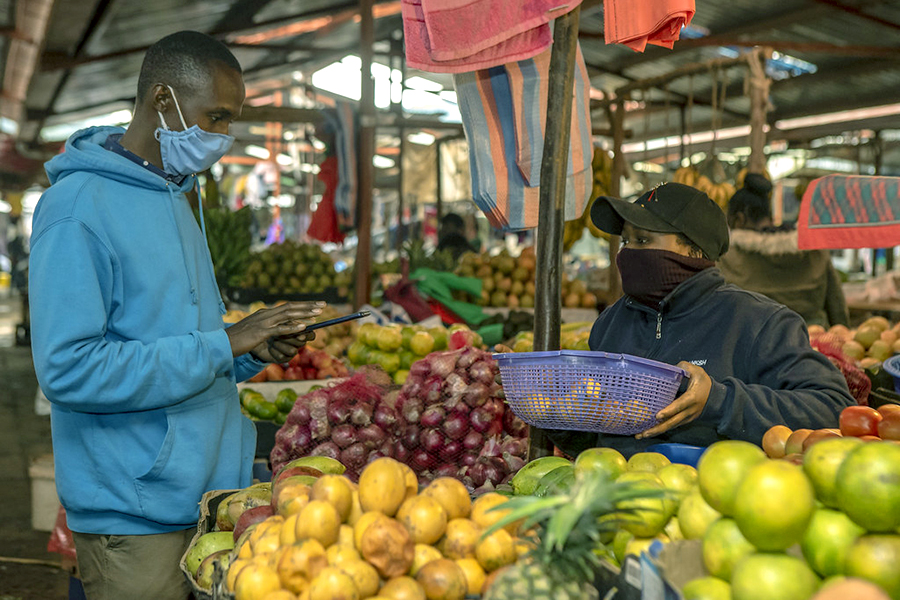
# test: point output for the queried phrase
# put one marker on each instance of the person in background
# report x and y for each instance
(453, 236)
(127, 334)
(748, 359)
(766, 259)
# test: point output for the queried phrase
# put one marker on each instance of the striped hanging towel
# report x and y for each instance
(850, 211)
(504, 114)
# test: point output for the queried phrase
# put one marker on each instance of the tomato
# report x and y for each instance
(889, 426)
(887, 409)
(859, 421)
(819, 435)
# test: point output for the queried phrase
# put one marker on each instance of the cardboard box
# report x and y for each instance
(44, 501)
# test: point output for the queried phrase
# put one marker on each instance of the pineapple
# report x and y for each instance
(569, 524)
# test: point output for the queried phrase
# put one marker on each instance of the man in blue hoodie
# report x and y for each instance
(127, 332)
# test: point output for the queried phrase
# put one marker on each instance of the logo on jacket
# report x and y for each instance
(700, 363)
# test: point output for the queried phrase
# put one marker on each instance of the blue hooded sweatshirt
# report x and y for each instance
(130, 348)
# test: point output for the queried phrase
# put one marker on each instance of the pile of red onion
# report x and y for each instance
(446, 420)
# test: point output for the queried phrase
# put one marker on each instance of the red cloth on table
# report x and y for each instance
(324, 223)
(636, 23)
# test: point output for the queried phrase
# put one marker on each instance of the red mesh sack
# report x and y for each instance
(830, 345)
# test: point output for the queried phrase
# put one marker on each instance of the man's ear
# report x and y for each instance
(160, 98)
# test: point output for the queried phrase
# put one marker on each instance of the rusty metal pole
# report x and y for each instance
(554, 164)
(615, 183)
(366, 152)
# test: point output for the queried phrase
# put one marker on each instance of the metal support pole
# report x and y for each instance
(554, 164)
(439, 204)
(615, 183)
(366, 152)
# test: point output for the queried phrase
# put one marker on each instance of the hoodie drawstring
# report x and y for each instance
(187, 270)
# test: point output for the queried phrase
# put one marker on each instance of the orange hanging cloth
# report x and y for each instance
(636, 23)
(324, 223)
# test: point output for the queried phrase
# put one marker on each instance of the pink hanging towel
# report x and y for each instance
(638, 23)
(466, 40)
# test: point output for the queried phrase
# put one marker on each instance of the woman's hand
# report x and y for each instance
(687, 406)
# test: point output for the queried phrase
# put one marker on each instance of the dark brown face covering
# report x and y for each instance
(648, 276)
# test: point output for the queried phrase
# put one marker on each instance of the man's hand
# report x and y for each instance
(686, 407)
(273, 334)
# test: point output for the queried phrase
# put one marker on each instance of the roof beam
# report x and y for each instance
(809, 47)
(241, 13)
(858, 12)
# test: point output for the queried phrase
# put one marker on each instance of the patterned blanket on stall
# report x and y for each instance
(850, 211)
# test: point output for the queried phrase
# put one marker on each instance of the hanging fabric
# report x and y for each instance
(341, 121)
(850, 211)
(504, 113)
(458, 36)
(324, 223)
(636, 24)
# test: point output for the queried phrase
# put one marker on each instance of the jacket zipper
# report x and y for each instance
(659, 325)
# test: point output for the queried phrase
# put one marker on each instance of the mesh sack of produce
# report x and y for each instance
(859, 384)
(456, 423)
(349, 421)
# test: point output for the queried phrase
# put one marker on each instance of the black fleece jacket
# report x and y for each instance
(756, 351)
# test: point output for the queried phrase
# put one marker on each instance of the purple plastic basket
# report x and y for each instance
(587, 391)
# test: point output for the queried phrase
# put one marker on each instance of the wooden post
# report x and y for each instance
(439, 203)
(615, 190)
(759, 102)
(554, 164)
(366, 152)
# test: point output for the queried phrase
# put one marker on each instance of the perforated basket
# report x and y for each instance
(587, 391)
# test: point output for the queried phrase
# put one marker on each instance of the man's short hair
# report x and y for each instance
(183, 60)
(453, 221)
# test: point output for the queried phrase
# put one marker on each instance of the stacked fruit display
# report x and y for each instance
(291, 268)
(257, 407)
(395, 348)
(574, 336)
(308, 364)
(508, 282)
(873, 342)
(315, 534)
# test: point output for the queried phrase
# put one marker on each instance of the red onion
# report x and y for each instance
(514, 446)
(447, 470)
(514, 425)
(468, 357)
(410, 437)
(361, 413)
(494, 390)
(513, 463)
(482, 372)
(372, 436)
(328, 449)
(421, 460)
(458, 407)
(456, 427)
(478, 473)
(433, 389)
(401, 453)
(491, 448)
(473, 440)
(495, 428)
(455, 386)
(488, 469)
(418, 371)
(318, 424)
(495, 407)
(338, 412)
(344, 435)
(468, 459)
(411, 408)
(374, 455)
(387, 448)
(432, 440)
(302, 438)
(450, 451)
(354, 456)
(385, 417)
(299, 415)
(390, 399)
(442, 363)
(414, 384)
(480, 419)
(476, 394)
(341, 394)
(432, 417)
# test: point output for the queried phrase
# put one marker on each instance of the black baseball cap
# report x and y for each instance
(668, 208)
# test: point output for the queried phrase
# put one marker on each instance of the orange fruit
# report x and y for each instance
(333, 584)
(774, 440)
(339, 553)
(424, 517)
(772, 577)
(828, 540)
(706, 588)
(362, 524)
(496, 550)
(298, 564)
(695, 515)
(649, 462)
(402, 588)
(320, 521)
(644, 517)
(722, 468)
(363, 575)
(279, 595)
(452, 496)
(422, 555)
(774, 505)
(678, 479)
(382, 486)
(412, 482)
(605, 460)
(460, 539)
(386, 544)
(821, 464)
(723, 547)
(475, 575)
(876, 558)
(255, 581)
(868, 486)
(443, 579)
(484, 513)
(336, 490)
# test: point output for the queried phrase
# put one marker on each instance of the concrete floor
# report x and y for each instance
(23, 437)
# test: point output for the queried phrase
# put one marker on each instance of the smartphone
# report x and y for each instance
(336, 320)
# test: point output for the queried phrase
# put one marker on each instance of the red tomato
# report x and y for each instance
(274, 372)
(870, 438)
(887, 409)
(859, 421)
(889, 426)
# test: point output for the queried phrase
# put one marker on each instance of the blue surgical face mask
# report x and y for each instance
(192, 150)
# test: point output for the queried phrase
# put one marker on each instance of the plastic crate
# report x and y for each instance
(892, 366)
(683, 454)
(587, 391)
